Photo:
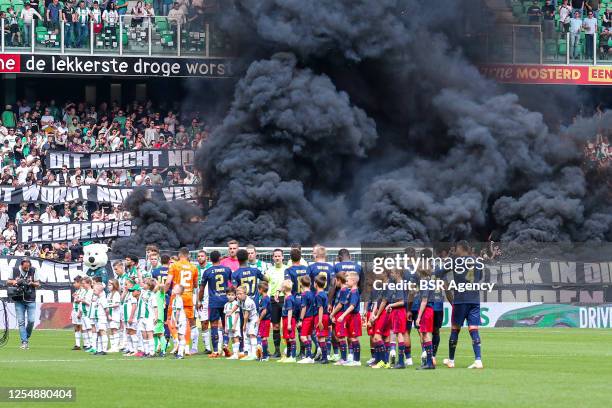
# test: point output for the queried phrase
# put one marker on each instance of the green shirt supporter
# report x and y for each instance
(121, 121)
(8, 118)
(121, 6)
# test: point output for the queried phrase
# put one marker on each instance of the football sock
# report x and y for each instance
(407, 350)
(236, 348)
(452, 343)
(253, 350)
(356, 351)
(475, 343)
(308, 349)
(334, 343)
(206, 334)
(128, 344)
(323, 346)
(215, 339)
(293, 348)
(77, 338)
(402, 350)
(182, 346)
(155, 344)
(387, 352)
(104, 343)
(95, 340)
(435, 343)
(277, 339)
(264, 346)
(343, 350)
(134, 342)
(328, 343)
(195, 335)
(429, 351)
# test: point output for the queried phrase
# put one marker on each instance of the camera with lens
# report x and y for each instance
(18, 292)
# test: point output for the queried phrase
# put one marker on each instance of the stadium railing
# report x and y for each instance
(145, 36)
(528, 44)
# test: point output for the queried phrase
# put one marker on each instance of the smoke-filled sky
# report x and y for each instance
(361, 120)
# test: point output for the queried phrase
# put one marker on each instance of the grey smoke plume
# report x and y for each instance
(169, 225)
(279, 157)
(380, 129)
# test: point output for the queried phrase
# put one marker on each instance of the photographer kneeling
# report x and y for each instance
(22, 290)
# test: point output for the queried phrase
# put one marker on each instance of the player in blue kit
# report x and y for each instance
(425, 316)
(293, 273)
(320, 268)
(340, 295)
(289, 322)
(246, 275)
(308, 311)
(345, 264)
(218, 279)
(352, 318)
(322, 317)
(466, 304)
(264, 311)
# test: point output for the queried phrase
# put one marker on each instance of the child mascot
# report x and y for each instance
(95, 258)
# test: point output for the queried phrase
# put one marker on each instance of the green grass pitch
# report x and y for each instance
(523, 368)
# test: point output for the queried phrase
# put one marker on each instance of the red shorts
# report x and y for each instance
(353, 325)
(398, 320)
(325, 331)
(307, 326)
(288, 334)
(340, 327)
(382, 325)
(264, 329)
(427, 321)
(370, 328)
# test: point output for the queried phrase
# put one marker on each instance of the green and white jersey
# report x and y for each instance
(114, 305)
(231, 320)
(160, 300)
(79, 294)
(127, 306)
(91, 312)
(121, 279)
(87, 299)
(100, 310)
(131, 273)
(142, 310)
(259, 264)
(153, 305)
(178, 311)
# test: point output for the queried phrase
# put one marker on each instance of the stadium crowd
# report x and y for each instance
(598, 153)
(29, 131)
(77, 15)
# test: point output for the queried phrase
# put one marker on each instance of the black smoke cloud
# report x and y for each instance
(169, 225)
(371, 125)
(278, 159)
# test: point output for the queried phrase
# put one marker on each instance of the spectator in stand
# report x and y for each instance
(13, 23)
(176, 15)
(575, 28)
(27, 15)
(82, 25)
(604, 39)
(534, 12)
(592, 5)
(138, 13)
(54, 12)
(590, 30)
(111, 20)
(548, 21)
(577, 6)
(606, 20)
(8, 117)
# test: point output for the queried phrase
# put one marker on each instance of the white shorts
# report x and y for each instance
(233, 333)
(203, 313)
(87, 323)
(114, 324)
(181, 328)
(102, 325)
(251, 328)
(146, 325)
(132, 326)
(74, 316)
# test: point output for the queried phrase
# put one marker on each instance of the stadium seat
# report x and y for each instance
(562, 47)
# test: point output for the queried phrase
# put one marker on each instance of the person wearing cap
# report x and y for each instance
(25, 276)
